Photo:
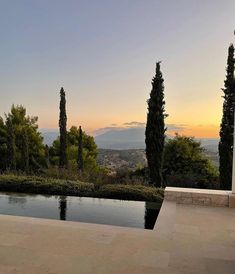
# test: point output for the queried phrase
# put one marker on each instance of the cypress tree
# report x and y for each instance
(227, 125)
(11, 160)
(155, 129)
(80, 146)
(63, 130)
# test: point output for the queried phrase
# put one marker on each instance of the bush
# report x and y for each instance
(186, 164)
(41, 185)
(131, 192)
(33, 184)
(191, 181)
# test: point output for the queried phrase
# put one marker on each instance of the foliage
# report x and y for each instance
(80, 154)
(97, 175)
(155, 129)
(33, 184)
(3, 145)
(129, 177)
(25, 150)
(186, 164)
(89, 150)
(63, 131)
(11, 150)
(40, 185)
(227, 125)
(20, 138)
(131, 192)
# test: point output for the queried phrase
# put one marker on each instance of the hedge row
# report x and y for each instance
(41, 185)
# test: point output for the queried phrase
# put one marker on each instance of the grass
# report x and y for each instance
(41, 185)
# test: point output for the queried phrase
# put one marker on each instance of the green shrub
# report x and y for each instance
(41, 185)
(33, 184)
(131, 192)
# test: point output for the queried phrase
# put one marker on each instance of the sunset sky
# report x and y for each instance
(103, 52)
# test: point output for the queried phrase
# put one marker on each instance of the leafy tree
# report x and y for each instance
(89, 149)
(11, 159)
(47, 156)
(63, 130)
(155, 129)
(80, 155)
(28, 140)
(25, 150)
(3, 145)
(185, 160)
(227, 125)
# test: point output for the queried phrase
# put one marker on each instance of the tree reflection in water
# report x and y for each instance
(63, 207)
(151, 213)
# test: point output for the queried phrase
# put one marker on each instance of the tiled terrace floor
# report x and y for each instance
(186, 239)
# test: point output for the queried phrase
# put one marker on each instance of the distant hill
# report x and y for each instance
(133, 158)
(134, 138)
(126, 148)
(49, 136)
(124, 139)
(130, 138)
(210, 144)
(118, 159)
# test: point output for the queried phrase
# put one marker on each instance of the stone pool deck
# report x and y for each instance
(186, 239)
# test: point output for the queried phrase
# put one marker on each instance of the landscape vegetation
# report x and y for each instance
(73, 164)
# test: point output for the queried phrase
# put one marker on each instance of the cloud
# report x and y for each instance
(135, 124)
(114, 126)
(176, 127)
(172, 128)
(105, 129)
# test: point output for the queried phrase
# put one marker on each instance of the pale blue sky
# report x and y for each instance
(103, 53)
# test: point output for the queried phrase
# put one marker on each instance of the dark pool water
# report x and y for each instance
(81, 209)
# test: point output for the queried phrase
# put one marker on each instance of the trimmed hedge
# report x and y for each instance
(131, 192)
(41, 185)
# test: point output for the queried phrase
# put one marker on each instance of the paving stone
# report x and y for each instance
(186, 239)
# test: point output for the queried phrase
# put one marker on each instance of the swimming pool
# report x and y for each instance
(81, 209)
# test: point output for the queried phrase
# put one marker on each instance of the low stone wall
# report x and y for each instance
(195, 196)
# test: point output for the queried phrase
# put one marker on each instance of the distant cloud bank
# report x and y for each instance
(171, 128)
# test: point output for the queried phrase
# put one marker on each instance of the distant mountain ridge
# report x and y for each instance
(130, 138)
(134, 138)
(127, 138)
(49, 136)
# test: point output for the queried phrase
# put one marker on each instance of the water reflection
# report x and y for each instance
(63, 207)
(151, 214)
(17, 200)
(89, 210)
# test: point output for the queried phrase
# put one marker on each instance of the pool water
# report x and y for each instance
(81, 209)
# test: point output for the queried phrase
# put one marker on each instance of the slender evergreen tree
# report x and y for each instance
(11, 159)
(155, 129)
(227, 125)
(80, 146)
(63, 130)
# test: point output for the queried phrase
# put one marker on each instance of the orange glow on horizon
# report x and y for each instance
(200, 131)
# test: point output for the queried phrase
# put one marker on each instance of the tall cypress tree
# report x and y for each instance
(227, 125)
(155, 129)
(80, 146)
(11, 160)
(63, 130)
